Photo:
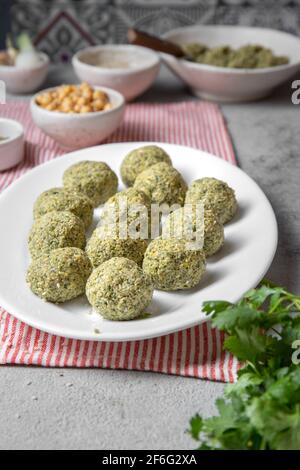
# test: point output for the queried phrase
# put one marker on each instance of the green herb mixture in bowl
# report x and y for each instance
(250, 56)
(228, 63)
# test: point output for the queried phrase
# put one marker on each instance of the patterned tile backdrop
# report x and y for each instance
(60, 27)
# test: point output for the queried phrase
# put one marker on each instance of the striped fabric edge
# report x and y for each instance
(195, 352)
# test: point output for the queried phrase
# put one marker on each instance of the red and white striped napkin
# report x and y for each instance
(195, 352)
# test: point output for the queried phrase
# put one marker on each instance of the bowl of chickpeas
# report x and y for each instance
(78, 116)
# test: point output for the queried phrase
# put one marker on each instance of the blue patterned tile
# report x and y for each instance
(61, 27)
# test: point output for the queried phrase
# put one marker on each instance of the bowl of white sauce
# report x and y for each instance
(128, 69)
(11, 143)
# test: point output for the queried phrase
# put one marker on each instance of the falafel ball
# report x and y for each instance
(56, 230)
(214, 194)
(61, 199)
(172, 266)
(94, 179)
(104, 245)
(176, 223)
(119, 290)
(131, 205)
(139, 160)
(162, 184)
(60, 275)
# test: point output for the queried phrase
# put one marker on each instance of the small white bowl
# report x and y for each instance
(25, 80)
(74, 131)
(131, 81)
(229, 84)
(12, 148)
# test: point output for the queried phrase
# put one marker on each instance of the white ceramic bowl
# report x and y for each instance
(25, 80)
(12, 148)
(224, 84)
(131, 81)
(74, 131)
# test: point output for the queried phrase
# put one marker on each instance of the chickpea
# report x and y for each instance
(98, 105)
(67, 101)
(73, 97)
(88, 94)
(52, 106)
(44, 99)
(67, 89)
(81, 101)
(62, 93)
(65, 108)
(84, 86)
(85, 109)
(98, 94)
(108, 106)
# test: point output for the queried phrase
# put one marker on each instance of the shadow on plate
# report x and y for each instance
(158, 307)
(230, 246)
(210, 277)
(240, 214)
(77, 305)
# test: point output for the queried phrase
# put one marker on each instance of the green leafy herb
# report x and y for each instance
(261, 411)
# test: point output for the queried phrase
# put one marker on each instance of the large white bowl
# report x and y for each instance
(228, 84)
(74, 131)
(131, 81)
(25, 80)
(12, 148)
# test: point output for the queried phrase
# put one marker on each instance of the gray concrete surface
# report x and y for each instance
(103, 409)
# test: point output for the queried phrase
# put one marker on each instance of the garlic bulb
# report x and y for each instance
(27, 57)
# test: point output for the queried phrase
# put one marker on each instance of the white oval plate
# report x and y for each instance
(251, 240)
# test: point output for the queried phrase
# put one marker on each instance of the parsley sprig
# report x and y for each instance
(261, 411)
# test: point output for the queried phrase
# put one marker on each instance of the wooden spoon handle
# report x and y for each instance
(140, 38)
